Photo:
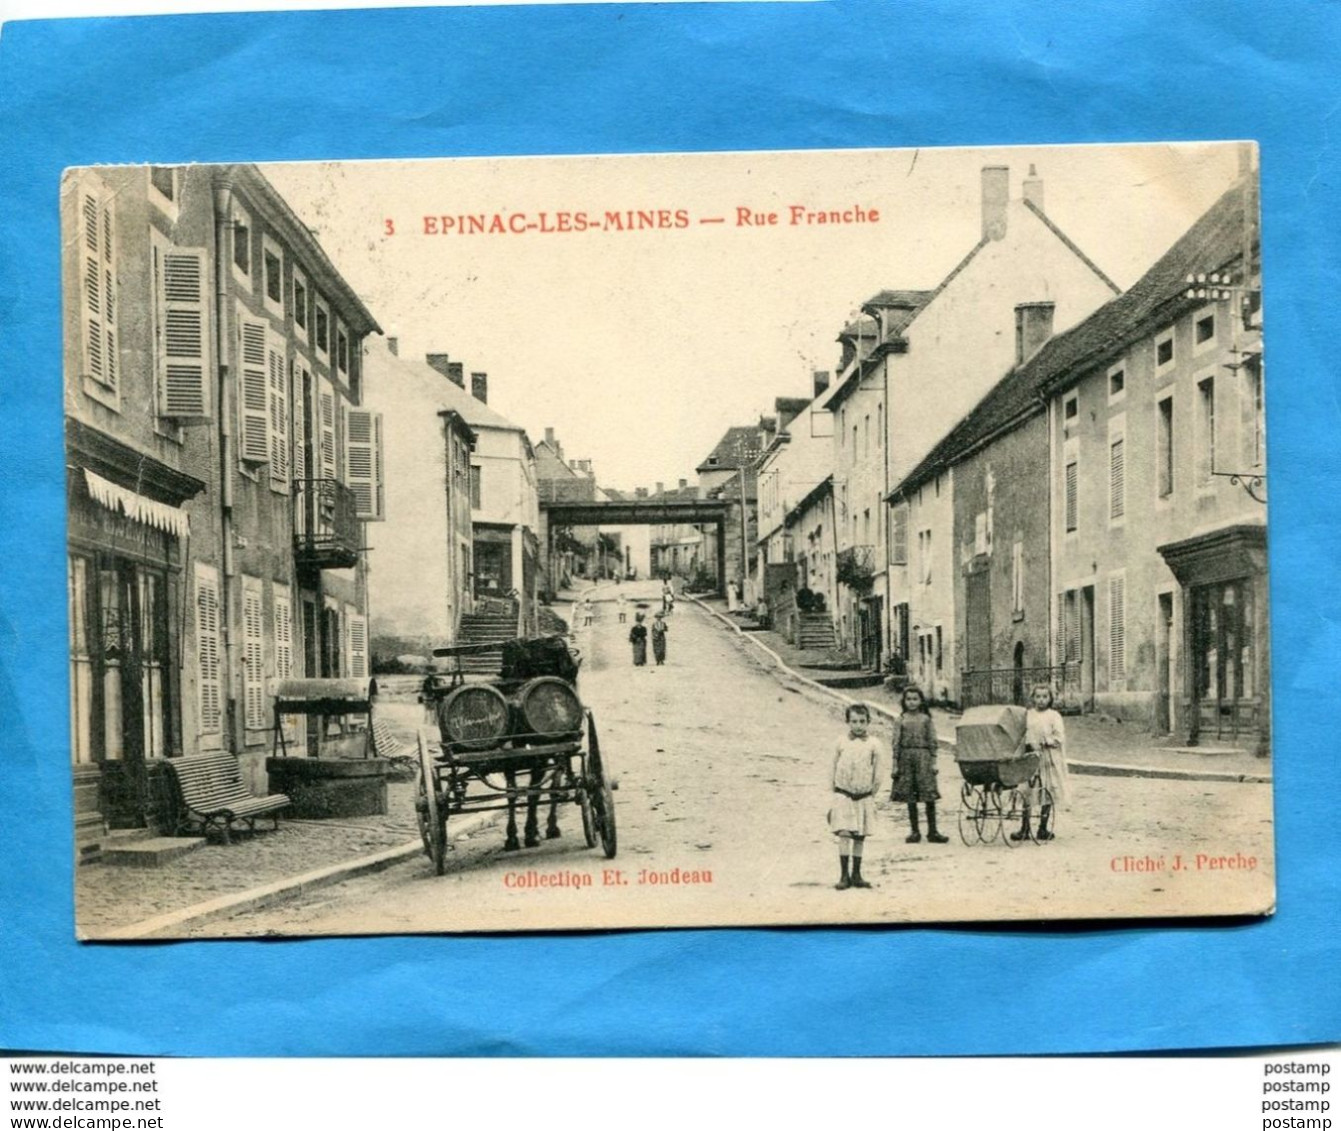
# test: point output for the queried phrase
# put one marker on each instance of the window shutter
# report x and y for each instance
(1070, 496)
(360, 461)
(901, 536)
(283, 632)
(99, 284)
(1117, 629)
(300, 380)
(1117, 486)
(326, 421)
(254, 400)
(183, 344)
(277, 381)
(207, 649)
(358, 644)
(253, 655)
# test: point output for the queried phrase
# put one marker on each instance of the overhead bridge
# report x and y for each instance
(637, 512)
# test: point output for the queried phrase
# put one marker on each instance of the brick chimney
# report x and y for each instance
(995, 196)
(393, 346)
(549, 437)
(1033, 189)
(1033, 327)
(684, 483)
(479, 387)
(821, 382)
(439, 362)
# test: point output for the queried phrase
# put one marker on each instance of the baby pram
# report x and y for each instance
(1000, 778)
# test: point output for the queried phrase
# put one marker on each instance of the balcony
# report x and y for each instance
(328, 533)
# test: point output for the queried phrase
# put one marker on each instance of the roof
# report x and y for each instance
(822, 488)
(448, 394)
(1214, 240)
(740, 446)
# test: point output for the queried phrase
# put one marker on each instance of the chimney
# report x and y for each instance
(439, 362)
(661, 488)
(821, 382)
(456, 373)
(549, 437)
(640, 493)
(479, 387)
(683, 484)
(1033, 327)
(995, 194)
(1033, 189)
(393, 346)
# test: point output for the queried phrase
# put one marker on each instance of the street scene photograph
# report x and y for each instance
(668, 540)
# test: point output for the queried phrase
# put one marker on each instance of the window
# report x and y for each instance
(879, 425)
(924, 555)
(1017, 577)
(899, 552)
(1117, 628)
(1254, 423)
(273, 270)
(866, 526)
(475, 486)
(1072, 485)
(164, 189)
(940, 654)
(1164, 351)
(363, 462)
(1070, 627)
(321, 329)
(1205, 430)
(277, 387)
(866, 435)
(1070, 415)
(1164, 447)
(181, 331)
(1117, 383)
(980, 533)
(241, 245)
(300, 301)
(283, 619)
(209, 686)
(99, 297)
(341, 349)
(1117, 470)
(326, 426)
(1203, 331)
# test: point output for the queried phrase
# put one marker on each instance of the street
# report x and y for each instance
(722, 769)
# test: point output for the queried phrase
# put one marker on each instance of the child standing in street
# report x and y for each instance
(1044, 735)
(915, 764)
(852, 814)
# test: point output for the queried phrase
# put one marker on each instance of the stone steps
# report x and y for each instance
(147, 851)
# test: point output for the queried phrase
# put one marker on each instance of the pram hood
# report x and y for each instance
(989, 734)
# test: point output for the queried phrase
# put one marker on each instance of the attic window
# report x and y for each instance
(712, 459)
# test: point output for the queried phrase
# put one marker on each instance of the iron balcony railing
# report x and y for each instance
(1013, 685)
(328, 534)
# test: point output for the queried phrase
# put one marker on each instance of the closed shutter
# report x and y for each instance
(1117, 628)
(299, 417)
(1117, 482)
(363, 461)
(901, 536)
(253, 655)
(1071, 485)
(326, 424)
(183, 337)
(283, 632)
(254, 403)
(358, 643)
(207, 649)
(98, 273)
(277, 383)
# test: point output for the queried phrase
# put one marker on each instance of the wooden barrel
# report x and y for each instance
(473, 717)
(548, 705)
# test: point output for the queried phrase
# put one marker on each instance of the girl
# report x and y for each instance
(638, 638)
(1045, 736)
(915, 764)
(852, 813)
(659, 639)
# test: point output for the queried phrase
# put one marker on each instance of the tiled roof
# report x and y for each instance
(1212, 242)
(739, 446)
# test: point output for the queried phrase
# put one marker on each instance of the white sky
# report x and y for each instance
(641, 348)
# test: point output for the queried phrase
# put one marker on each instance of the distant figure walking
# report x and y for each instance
(667, 597)
(638, 638)
(586, 610)
(732, 600)
(622, 601)
(659, 639)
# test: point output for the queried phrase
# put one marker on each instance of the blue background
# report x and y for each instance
(417, 83)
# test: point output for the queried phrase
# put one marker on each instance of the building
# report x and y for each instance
(728, 473)
(222, 466)
(1158, 464)
(679, 549)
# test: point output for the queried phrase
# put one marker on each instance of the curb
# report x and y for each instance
(1095, 769)
(278, 891)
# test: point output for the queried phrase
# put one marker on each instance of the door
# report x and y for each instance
(1087, 654)
(1223, 642)
(1164, 665)
(978, 622)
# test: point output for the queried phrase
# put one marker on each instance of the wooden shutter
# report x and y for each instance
(1117, 482)
(253, 655)
(283, 632)
(326, 425)
(901, 536)
(1117, 628)
(363, 460)
(254, 399)
(98, 314)
(183, 332)
(1071, 485)
(207, 649)
(300, 380)
(358, 643)
(277, 384)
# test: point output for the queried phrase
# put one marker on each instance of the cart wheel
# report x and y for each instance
(588, 817)
(432, 820)
(991, 817)
(602, 800)
(970, 827)
(1012, 811)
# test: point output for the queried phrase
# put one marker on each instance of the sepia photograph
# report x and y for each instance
(673, 540)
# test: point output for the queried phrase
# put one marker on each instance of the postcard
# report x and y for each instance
(772, 538)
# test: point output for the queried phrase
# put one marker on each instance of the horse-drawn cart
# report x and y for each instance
(522, 736)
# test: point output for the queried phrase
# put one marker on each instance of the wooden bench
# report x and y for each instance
(213, 795)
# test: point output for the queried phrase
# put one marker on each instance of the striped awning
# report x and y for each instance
(122, 500)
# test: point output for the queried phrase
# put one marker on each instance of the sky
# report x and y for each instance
(641, 347)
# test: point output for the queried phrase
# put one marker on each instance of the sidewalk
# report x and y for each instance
(1094, 743)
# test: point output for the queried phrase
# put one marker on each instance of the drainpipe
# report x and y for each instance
(223, 229)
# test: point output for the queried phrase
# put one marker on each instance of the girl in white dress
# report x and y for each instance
(1045, 736)
(852, 813)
